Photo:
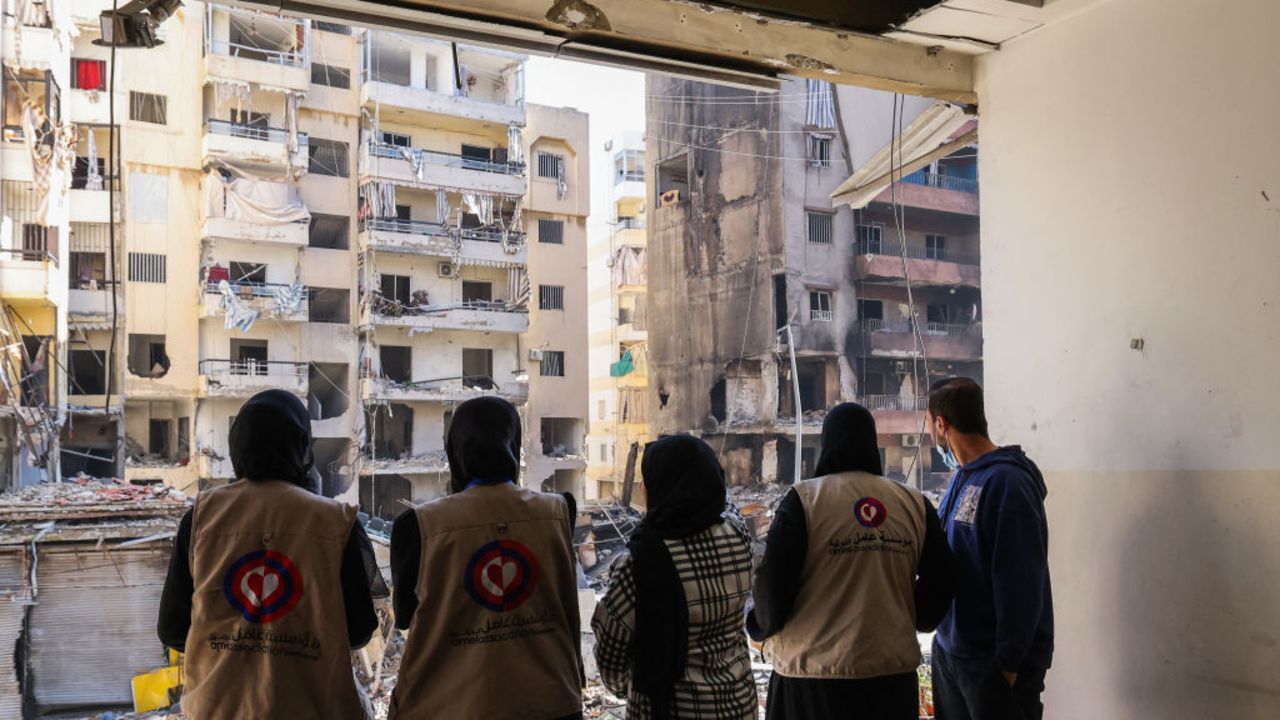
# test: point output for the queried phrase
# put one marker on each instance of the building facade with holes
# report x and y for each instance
(750, 261)
(341, 213)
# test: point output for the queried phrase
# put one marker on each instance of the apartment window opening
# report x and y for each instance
(550, 232)
(552, 363)
(477, 368)
(148, 108)
(396, 287)
(821, 227)
(327, 157)
(870, 239)
(551, 297)
(147, 267)
(328, 231)
(820, 306)
(935, 247)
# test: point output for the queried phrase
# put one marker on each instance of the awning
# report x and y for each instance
(925, 140)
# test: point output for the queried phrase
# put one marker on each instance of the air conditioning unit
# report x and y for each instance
(447, 269)
(535, 355)
(910, 441)
(670, 197)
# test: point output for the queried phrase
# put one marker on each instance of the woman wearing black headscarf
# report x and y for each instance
(220, 581)
(668, 631)
(854, 565)
(486, 586)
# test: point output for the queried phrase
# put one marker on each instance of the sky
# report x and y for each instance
(613, 98)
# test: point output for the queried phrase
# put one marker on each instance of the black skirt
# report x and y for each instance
(891, 697)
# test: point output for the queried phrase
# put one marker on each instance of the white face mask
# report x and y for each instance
(948, 457)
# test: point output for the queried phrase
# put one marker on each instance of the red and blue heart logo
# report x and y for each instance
(501, 575)
(869, 512)
(263, 586)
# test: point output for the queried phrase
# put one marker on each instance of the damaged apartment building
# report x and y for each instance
(751, 261)
(375, 222)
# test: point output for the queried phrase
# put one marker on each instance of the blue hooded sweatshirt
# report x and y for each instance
(994, 517)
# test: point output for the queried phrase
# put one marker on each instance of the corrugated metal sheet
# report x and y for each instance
(93, 626)
(14, 596)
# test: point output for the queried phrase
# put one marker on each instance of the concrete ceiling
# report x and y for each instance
(868, 16)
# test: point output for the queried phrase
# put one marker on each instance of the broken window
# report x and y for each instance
(395, 139)
(780, 317)
(673, 180)
(249, 357)
(330, 75)
(477, 368)
(874, 384)
(88, 374)
(938, 314)
(250, 119)
(158, 432)
(329, 305)
(326, 390)
(719, 400)
(88, 270)
(88, 74)
(248, 273)
(935, 247)
(560, 436)
(184, 437)
(550, 232)
(813, 384)
(40, 88)
(397, 362)
(328, 231)
(476, 291)
(147, 356)
(550, 165)
(396, 287)
(870, 239)
(819, 149)
(551, 297)
(148, 108)
(870, 309)
(821, 227)
(552, 363)
(327, 157)
(385, 496)
(391, 434)
(147, 267)
(820, 306)
(476, 157)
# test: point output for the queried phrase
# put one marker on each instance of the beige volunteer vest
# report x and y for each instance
(268, 632)
(496, 632)
(855, 613)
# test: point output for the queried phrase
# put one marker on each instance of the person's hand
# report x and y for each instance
(1011, 678)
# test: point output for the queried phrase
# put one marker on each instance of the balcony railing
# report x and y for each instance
(283, 369)
(443, 159)
(251, 132)
(383, 305)
(254, 289)
(289, 58)
(629, 176)
(426, 227)
(894, 249)
(820, 315)
(29, 254)
(930, 328)
(459, 385)
(629, 223)
(945, 182)
(893, 402)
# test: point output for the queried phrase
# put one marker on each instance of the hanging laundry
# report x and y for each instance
(238, 315)
(94, 179)
(625, 365)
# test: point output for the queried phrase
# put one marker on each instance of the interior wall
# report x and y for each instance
(1130, 215)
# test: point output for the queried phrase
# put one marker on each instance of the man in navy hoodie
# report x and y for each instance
(994, 646)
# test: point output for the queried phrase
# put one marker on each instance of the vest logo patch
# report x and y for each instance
(967, 507)
(501, 575)
(263, 585)
(869, 512)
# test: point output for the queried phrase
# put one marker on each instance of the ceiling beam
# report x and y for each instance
(710, 42)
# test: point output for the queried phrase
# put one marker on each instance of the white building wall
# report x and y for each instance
(1130, 191)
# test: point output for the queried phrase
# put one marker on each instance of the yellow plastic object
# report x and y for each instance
(151, 690)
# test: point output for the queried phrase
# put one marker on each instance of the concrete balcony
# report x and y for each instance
(293, 234)
(90, 107)
(37, 48)
(479, 316)
(427, 168)
(91, 305)
(416, 237)
(629, 333)
(422, 102)
(268, 299)
(244, 378)
(176, 475)
(882, 263)
(942, 341)
(137, 387)
(630, 231)
(27, 275)
(261, 147)
(282, 69)
(930, 191)
(434, 461)
(91, 206)
(450, 390)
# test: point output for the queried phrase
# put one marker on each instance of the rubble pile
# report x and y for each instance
(600, 534)
(91, 499)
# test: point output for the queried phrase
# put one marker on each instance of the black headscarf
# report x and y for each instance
(483, 442)
(686, 493)
(849, 442)
(271, 440)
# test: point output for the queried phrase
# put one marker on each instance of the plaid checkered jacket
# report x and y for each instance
(715, 568)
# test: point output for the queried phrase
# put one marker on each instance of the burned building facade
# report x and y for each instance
(750, 262)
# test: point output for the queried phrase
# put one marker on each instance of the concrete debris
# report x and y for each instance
(600, 537)
(88, 499)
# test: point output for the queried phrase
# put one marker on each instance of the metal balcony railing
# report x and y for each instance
(443, 159)
(820, 315)
(930, 328)
(433, 229)
(383, 305)
(251, 132)
(283, 369)
(894, 249)
(629, 176)
(253, 289)
(629, 223)
(28, 254)
(945, 182)
(483, 383)
(289, 58)
(893, 402)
